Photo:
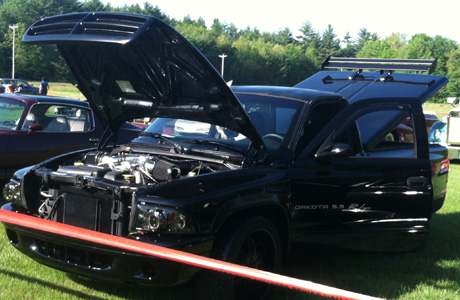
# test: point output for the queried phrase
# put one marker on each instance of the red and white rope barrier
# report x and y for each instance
(175, 255)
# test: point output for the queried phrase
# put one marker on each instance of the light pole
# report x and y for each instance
(223, 56)
(14, 39)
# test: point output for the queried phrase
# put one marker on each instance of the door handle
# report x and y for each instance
(420, 181)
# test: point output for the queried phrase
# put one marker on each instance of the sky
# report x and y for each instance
(386, 17)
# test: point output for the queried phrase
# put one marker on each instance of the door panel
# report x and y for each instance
(377, 181)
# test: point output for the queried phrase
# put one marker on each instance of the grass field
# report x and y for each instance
(433, 273)
(66, 90)
(440, 108)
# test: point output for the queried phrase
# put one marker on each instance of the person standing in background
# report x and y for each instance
(44, 86)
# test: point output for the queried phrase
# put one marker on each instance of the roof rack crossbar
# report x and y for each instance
(382, 64)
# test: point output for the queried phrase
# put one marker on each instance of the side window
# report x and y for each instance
(59, 118)
(387, 133)
(376, 131)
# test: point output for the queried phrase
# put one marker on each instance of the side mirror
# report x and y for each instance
(34, 128)
(335, 150)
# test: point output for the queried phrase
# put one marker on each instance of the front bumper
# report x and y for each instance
(107, 263)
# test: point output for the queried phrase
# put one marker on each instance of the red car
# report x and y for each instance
(34, 128)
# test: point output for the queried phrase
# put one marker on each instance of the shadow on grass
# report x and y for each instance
(126, 291)
(136, 292)
(50, 285)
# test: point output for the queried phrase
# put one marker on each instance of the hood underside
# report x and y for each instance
(134, 66)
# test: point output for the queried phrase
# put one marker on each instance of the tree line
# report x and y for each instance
(252, 56)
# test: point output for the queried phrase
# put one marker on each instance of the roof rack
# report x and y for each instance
(382, 64)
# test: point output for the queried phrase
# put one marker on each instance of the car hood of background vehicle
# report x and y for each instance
(131, 66)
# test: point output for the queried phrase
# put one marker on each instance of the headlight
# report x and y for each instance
(149, 218)
(12, 191)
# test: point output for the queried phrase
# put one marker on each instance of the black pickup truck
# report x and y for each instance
(241, 174)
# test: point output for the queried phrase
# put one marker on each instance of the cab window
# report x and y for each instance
(399, 135)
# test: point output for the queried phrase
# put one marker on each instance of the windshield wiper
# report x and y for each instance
(177, 147)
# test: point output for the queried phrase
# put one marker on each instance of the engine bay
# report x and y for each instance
(139, 168)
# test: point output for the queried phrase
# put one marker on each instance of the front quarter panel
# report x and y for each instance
(213, 198)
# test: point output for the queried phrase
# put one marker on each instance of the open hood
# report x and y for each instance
(131, 66)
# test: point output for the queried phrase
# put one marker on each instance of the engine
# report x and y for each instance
(138, 169)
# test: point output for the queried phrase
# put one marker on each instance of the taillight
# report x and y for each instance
(445, 164)
(444, 167)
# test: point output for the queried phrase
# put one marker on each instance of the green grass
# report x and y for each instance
(66, 90)
(440, 108)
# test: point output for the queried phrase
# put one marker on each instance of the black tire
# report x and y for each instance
(253, 243)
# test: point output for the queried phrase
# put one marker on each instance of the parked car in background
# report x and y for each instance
(18, 86)
(430, 118)
(34, 128)
(447, 131)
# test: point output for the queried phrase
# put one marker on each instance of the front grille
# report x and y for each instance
(94, 211)
(73, 256)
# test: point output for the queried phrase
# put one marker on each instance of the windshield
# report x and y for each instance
(193, 130)
(10, 113)
(273, 117)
